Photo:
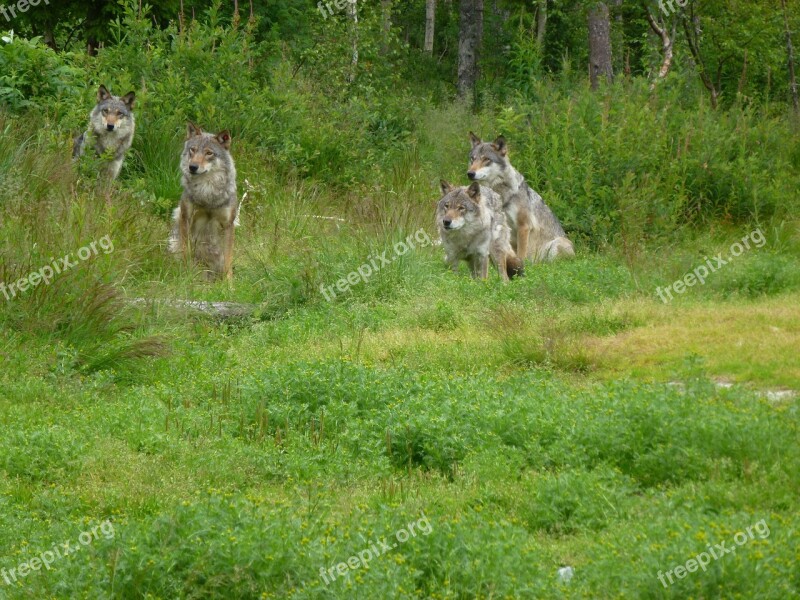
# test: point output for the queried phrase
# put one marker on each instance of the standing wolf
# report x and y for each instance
(111, 126)
(535, 231)
(204, 221)
(473, 228)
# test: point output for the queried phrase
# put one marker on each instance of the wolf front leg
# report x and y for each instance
(228, 235)
(452, 262)
(523, 234)
(113, 168)
(184, 222)
(499, 260)
(480, 267)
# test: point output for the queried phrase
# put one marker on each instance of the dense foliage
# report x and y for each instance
(569, 418)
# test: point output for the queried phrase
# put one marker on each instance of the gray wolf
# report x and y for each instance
(535, 231)
(204, 220)
(111, 127)
(473, 228)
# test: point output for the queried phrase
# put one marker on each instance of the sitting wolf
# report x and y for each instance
(204, 220)
(111, 127)
(473, 228)
(535, 231)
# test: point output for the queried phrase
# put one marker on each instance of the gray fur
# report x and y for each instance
(209, 206)
(489, 164)
(473, 229)
(216, 186)
(110, 111)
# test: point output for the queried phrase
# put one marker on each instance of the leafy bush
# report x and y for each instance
(34, 76)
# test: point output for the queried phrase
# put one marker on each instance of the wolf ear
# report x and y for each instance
(446, 187)
(500, 145)
(192, 130)
(103, 93)
(224, 139)
(474, 191)
(474, 139)
(128, 99)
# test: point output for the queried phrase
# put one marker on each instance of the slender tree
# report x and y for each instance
(541, 23)
(430, 24)
(667, 44)
(352, 13)
(692, 32)
(599, 45)
(790, 52)
(469, 42)
(386, 18)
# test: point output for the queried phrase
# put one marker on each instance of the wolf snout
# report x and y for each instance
(193, 169)
(471, 175)
(110, 127)
(447, 223)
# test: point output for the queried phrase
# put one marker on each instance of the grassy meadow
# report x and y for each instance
(567, 419)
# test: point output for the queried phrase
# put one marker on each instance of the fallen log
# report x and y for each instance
(221, 310)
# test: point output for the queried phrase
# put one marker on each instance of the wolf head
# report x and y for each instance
(113, 113)
(205, 152)
(458, 207)
(487, 161)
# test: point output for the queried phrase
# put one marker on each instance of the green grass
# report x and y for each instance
(531, 423)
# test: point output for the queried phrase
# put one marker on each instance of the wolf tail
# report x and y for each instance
(515, 266)
(173, 244)
(560, 247)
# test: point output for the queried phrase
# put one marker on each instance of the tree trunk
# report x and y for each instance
(691, 29)
(599, 45)
(743, 78)
(352, 13)
(541, 23)
(386, 13)
(469, 41)
(667, 46)
(430, 24)
(790, 51)
(49, 38)
(479, 33)
(94, 17)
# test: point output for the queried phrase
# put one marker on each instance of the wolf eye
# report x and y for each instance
(209, 153)
(105, 111)
(119, 113)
